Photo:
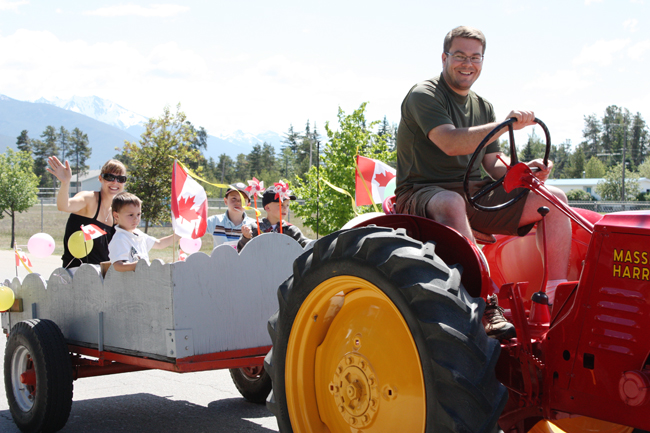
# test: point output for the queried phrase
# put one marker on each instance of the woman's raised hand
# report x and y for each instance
(62, 172)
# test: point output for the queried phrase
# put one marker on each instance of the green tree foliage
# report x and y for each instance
(534, 148)
(595, 168)
(610, 187)
(638, 140)
(579, 195)
(42, 150)
(576, 164)
(151, 160)
(561, 156)
(19, 186)
(80, 151)
(241, 167)
(644, 168)
(63, 143)
(338, 167)
(592, 143)
(23, 142)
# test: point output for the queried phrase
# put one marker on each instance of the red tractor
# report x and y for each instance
(379, 328)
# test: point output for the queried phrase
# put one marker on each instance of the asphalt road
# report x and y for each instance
(148, 401)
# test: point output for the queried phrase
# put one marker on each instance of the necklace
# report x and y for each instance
(108, 213)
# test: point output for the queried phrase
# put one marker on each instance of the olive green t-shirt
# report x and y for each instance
(429, 104)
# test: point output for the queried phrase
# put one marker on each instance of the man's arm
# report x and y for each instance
(464, 141)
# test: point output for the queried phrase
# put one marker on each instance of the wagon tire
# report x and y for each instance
(253, 383)
(37, 353)
(374, 332)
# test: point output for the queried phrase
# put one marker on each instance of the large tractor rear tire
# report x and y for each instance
(376, 334)
(38, 376)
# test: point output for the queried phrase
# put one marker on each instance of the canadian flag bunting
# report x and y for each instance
(91, 231)
(189, 205)
(376, 175)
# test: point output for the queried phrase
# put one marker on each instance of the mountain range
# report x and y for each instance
(107, 124)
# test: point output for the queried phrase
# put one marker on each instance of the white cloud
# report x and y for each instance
(588, 2)
(601, 53)
(631, 25)
(154, 10)
(637, 50)
(6, 5)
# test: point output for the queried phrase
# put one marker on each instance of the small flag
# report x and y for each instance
(22, 257)
(91, 231)
(372, 176)
(189, 205)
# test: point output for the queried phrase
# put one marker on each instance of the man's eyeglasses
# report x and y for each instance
(462, 59)
(109, 177)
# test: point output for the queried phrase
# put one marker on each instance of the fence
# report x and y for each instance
(611, 206)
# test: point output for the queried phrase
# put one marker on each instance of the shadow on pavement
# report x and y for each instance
(146, 413)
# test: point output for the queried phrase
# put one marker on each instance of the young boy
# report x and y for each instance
(271, 223)
(129, 244)
(227, 227)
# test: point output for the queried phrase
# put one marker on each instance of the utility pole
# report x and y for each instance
(624, 148)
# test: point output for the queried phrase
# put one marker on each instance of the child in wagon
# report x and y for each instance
(129, 244)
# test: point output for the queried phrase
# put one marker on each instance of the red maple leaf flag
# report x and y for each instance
(189, 205)
(91, 231)
(376, 175)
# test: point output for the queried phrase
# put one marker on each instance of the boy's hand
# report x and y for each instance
(246, 232)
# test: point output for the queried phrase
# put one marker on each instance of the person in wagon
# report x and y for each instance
(130, 245)
(227, 227)
(276, 212)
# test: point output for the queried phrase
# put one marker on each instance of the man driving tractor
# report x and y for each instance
(442, 123)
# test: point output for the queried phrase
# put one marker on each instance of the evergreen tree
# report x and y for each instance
(592, 143)
(23, 143)
(43, 149)
(80, 151)
(63, 142)
(288, 152)
(560, 155)
(254, 159)
(638, 140)
(576, 163)
(242, 171)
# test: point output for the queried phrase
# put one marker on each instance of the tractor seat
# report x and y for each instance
(388, 207)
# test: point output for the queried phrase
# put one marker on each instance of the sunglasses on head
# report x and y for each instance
(109, 177)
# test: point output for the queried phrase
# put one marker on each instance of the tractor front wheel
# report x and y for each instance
(375, 333)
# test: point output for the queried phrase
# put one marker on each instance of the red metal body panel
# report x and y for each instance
(604, 328)
(517, 259)
(111, 362)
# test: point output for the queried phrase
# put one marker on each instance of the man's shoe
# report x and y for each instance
(496, 326)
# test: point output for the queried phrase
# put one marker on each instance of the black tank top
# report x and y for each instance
(99, 253)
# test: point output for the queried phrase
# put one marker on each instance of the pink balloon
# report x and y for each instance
(41, 245)
(190, 245)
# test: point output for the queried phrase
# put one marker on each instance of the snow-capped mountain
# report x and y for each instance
(249, 140)
(99, 109)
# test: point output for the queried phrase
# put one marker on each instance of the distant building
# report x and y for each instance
(589, 185)
(87, 182)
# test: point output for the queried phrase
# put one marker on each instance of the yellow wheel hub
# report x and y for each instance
(354, 389)
(352, 364)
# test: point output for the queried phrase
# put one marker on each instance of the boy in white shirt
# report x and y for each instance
(129, 244)
(227, 227)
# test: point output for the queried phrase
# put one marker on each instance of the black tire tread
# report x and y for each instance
(461, 356)
(54, 387)
(254, 391)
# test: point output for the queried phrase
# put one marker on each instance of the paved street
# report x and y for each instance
(148, 401)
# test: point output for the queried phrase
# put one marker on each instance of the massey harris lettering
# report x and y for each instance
(625, 270)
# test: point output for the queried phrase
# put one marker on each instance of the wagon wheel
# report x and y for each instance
(38, 376)
(473, 198)
(375, 333)
(253, 383)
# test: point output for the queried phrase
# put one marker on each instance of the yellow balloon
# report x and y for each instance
(79, 247)
(6, 298)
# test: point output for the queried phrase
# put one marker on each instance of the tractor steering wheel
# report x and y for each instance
(473, 199)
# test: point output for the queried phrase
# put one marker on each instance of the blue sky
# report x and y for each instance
(259, 65)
